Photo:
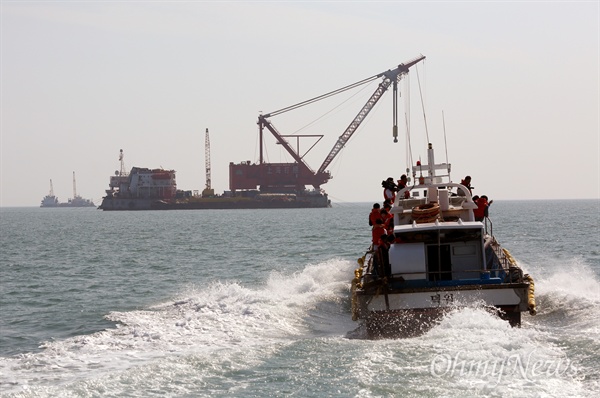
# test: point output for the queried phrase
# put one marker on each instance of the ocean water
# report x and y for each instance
(255, 303)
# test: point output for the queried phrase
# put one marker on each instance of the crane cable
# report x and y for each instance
(327, 95)
(330, 111)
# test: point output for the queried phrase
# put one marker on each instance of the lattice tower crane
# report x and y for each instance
(208, 191)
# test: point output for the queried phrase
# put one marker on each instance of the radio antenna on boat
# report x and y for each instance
(423, 106)
(446, 143)
(409, 157)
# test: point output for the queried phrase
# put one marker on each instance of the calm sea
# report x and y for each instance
(255, 303)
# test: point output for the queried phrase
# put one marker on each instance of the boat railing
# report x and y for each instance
(480, 276)
(488, 226)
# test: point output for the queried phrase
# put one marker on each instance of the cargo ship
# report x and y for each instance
(51, 200)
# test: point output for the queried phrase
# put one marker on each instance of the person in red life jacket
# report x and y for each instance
(467, 183)
(482, 208)
(378, 230)
(374, 215)
(402, 182)
(389, 190)
(388, 219)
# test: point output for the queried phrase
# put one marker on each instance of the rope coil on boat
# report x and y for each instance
(426, 213)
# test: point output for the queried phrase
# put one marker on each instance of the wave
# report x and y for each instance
(568, 295)
(219, 319)
(210, 331)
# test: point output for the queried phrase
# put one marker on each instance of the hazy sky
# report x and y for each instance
(517, 82)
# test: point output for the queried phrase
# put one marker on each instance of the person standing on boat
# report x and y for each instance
(383, 255)
(467, 183)
(483, 205)
(388, 218)
(402, 182)
(389, 190)
(374, 215)
(378, 231)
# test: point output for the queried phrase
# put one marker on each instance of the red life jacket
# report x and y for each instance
(373, 216)
(479, 212)
(401, 186)
(388, 224)
(378, 231)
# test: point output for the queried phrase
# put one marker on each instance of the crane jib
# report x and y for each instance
(389, 77)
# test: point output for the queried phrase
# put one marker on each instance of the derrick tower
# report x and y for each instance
(208, 191)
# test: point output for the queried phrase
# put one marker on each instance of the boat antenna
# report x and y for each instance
(446, 144)
(409, 146)
(409, 158)
(422, 105)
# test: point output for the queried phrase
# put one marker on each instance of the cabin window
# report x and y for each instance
(449, 253)
(464, 250)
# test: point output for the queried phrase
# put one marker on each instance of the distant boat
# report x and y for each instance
(77, 201)
(50, 200)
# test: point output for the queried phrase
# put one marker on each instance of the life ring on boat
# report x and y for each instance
(426, 213)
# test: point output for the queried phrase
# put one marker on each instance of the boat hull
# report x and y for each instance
(112, 203)
(410, 312)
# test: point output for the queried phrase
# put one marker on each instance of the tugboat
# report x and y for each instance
(438, 258)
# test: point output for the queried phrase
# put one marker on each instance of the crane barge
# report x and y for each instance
(261, 184)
